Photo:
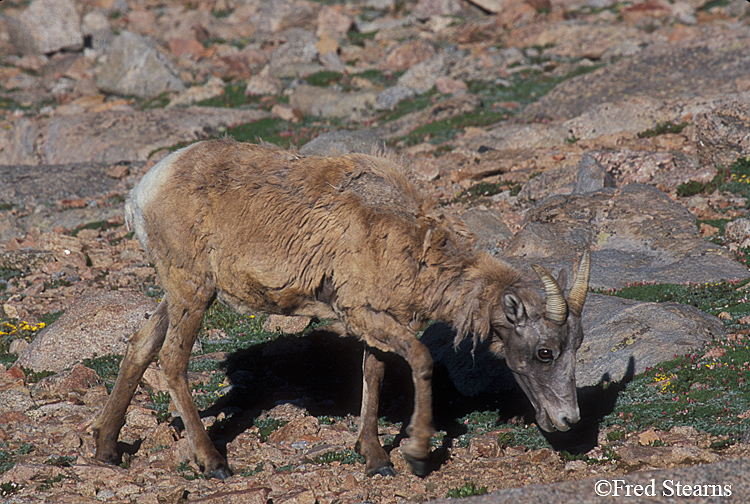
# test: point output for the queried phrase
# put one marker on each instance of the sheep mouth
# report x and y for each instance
(558, 423)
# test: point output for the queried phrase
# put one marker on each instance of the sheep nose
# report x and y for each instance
(569, 422)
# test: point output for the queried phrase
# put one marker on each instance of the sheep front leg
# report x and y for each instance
(142, 347)
(420, 428)
(184, 326)
(367, 445)
(385, 333)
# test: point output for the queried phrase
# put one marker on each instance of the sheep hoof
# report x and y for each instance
(385, 471)
(420, 467)
(221, 473)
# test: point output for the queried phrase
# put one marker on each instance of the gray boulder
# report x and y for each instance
(115, 136)
(46, 26)
(422, 76)
(592, 176)
(280, 14)
(327, 102)
(94, 325)
(723, 134)
(343, 142)
(134, 66)
(738, 232)
(635, 234)
(617, 330)
(44, 187)
(392, 96)
(707, 67)
(296, 57)
(488, 227)
(555, 181)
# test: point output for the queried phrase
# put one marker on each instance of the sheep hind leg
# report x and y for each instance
(142, 347)
(367, 445)
(185, 322)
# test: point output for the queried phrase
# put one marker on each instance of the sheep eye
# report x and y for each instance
(544, 354)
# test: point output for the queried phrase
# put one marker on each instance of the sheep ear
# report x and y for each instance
(514, 309)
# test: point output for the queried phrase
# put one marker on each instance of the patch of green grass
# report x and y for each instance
(663, 128)
(204, 365)
(9, 488)
(61, 460)
(276, 131)
(266, 426)
(379, 77)
(359, 39)
(205, 394)
(99, 225)
(414, 104)
(707, 389)
(324, 78)
(35, 376)
(160, 403)
(344, 457)
(153, 291)
(252, 472)
(159, 102)
(50, 318)
(703, 390)
(436, 132)
(714, 3)
(8, 456)
(55, 284)
(566, 456)
(734, 179)
(713, 298)
(8, 274)
(690, 188)
(737, 177)
(525, 88)
(190, 474)
(221, 13)
(106, 367)
(233, 97)
(469, 489)
(486, 189)
(48, 483)
(242, 330)
(9, 104)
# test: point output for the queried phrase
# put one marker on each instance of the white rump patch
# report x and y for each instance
(147, 191)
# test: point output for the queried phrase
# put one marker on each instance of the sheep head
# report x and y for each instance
(540, 341)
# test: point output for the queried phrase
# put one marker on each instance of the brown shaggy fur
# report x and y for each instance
(312, 235)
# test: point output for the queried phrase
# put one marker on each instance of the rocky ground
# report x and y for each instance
(550, 125)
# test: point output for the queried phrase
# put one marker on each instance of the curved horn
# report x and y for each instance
(557, 308)
(577, 295)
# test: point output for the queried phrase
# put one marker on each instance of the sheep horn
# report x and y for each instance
(557, 308)
(577, 295)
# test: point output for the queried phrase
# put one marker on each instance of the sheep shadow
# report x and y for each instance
(322, 372)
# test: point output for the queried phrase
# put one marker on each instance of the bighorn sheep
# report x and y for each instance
(348, 238)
